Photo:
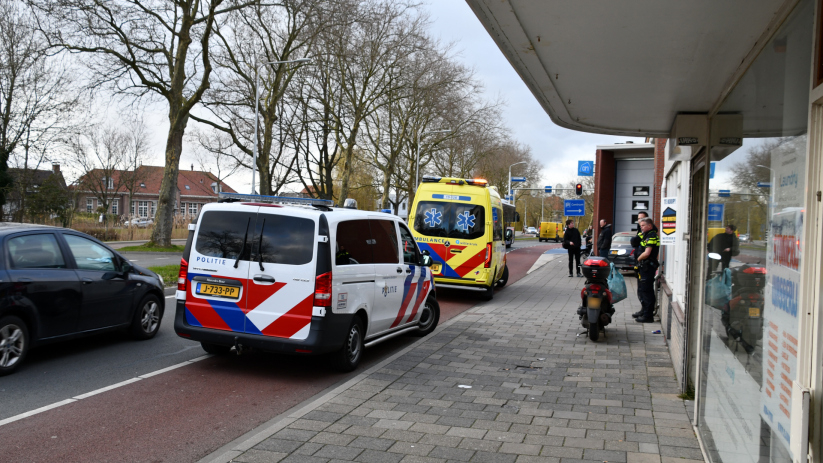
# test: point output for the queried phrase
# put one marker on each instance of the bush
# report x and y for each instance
(101, 234)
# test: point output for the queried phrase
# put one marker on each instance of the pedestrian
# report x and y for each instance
(571, 242)
(727, 245)
(646, 268)
(604, 238)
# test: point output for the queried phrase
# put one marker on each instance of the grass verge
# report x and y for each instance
(146, 248)
(168, 272)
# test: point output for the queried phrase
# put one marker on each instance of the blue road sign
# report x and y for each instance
(547, 189)
(724, 193)
(574, 207)
(716, 211)
(518, 179)
(764, 184)
(585, 168)
(711, 170)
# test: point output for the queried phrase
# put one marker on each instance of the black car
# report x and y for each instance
(621, 252)
(58, 284)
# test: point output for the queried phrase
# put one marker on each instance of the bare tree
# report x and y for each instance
(135, 150)
(215, 154)
(100, 155)
(35, 91)
(159, 48)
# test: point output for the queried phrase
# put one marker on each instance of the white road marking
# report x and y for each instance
(99, 391)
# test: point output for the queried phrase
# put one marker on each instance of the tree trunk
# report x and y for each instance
(349, 155)
(164, 219)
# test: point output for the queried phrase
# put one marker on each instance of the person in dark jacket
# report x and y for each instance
(571, 241)
(727, 245)
(604, 238)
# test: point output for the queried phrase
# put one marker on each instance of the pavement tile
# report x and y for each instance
(538, 393)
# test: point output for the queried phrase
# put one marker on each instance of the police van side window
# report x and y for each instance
(410, 254)
(384, 242)
(222, 233)
(285, 240)
(353, 243)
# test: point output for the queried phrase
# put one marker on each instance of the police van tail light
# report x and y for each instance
(322, 290)
(182, 276)
(488, 261)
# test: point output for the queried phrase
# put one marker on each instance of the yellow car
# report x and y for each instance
(459, 222)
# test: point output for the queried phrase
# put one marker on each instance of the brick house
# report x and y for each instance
(194, 189)
(25, 183)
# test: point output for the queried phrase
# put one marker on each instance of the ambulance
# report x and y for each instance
(459, 223)
(298, 276)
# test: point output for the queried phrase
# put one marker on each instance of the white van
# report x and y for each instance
(298, 276)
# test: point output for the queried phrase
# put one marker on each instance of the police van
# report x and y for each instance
(298, 276)
(460, 223)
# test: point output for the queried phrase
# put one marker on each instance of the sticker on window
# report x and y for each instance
(433, 218)
(465, 221)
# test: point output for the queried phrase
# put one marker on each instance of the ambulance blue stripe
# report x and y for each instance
(191, 320)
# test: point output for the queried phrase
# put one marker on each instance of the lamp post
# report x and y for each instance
(510, 179)
(417, 154)
(257, 104)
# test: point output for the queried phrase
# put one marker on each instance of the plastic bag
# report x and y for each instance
(719, 289)
(617, 285)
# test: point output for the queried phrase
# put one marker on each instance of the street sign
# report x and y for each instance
(711, 170)
(574, 207)
(724, 193)
(585, 168)
(547, 189)
(764, 184)
(716, 211)
(518, 179)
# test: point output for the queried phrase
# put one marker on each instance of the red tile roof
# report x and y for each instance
(199, 182)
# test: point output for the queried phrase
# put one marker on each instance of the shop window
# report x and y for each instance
(752, 262)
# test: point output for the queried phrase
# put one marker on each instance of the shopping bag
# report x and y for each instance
(617, 285)
(719, 289)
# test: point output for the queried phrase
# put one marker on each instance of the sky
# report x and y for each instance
(452, 21)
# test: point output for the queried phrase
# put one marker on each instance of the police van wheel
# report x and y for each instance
(504, 279)
(348, 357)
(429, 317)
(215, 349)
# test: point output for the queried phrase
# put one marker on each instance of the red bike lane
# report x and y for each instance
(187, 413)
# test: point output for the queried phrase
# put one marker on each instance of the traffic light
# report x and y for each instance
(579, 189)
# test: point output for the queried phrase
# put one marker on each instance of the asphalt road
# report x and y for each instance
(179, 415)
(152, 259)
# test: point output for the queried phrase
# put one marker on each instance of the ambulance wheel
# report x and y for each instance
(488, 293)
(348, 357)
(429, 316)
(504, 279)
(215, 349)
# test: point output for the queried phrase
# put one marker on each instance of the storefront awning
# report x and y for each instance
(628, 67)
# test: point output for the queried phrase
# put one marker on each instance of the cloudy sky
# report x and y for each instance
(453, 22)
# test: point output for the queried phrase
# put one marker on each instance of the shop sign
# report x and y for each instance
(668, 222)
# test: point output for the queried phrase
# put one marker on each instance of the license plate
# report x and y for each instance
(218, 290)
(614, 253)
(754, 311)
(593, 303)
(435, 268)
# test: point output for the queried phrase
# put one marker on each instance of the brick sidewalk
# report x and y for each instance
(507, 381)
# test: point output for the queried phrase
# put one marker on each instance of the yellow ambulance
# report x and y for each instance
(460, 223)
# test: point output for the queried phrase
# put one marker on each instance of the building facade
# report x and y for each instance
(134, 194)
(732, 94)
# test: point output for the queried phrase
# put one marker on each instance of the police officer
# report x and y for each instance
(647, 265)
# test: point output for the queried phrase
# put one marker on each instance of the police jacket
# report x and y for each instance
(649, 240)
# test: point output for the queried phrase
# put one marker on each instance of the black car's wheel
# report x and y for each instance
(348, 357)
(14, 344)
(429, 316)
(215, 349)
(147, 318)
(503, 279)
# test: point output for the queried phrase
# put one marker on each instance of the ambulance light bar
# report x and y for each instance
(455, 181)
(234, 197)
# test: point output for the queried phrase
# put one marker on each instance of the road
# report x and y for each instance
(179, 415)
